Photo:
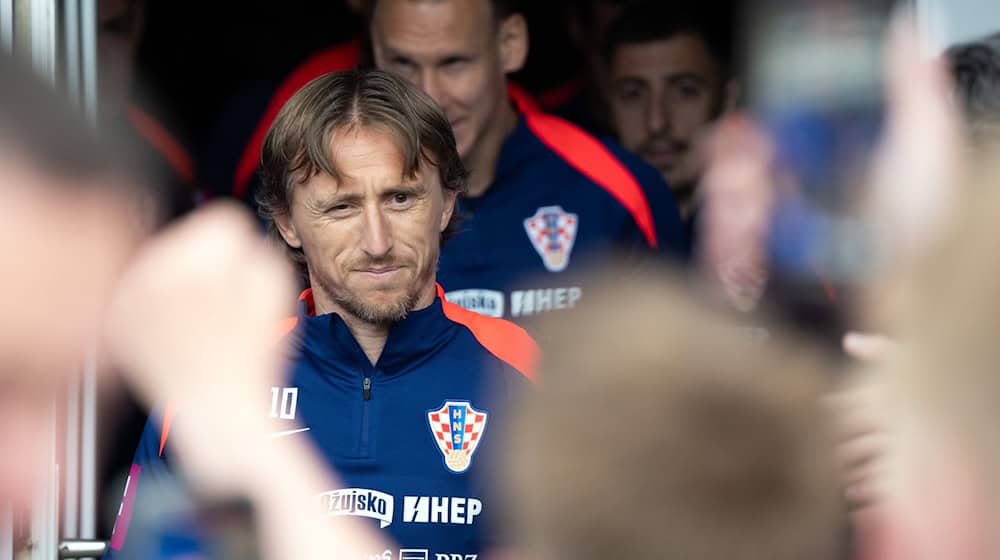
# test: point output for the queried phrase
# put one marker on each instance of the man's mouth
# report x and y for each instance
(662, 154)
(380, 272)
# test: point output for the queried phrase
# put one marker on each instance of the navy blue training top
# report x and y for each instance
(409, 436)
(561, 200)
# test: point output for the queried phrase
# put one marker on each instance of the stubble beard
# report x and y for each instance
(383, 314)
(378, 314)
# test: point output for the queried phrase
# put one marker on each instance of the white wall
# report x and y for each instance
(951, 21)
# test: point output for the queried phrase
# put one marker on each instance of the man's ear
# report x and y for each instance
(450, 197)
(287, 230)
(513, 43)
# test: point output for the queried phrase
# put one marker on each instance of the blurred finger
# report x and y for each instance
(918, 161)
(867, 347)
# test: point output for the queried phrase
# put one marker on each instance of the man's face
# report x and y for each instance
(450, 49)
(663, 94)
(371, 241)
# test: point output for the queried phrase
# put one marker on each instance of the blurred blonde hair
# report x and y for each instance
(665, 430)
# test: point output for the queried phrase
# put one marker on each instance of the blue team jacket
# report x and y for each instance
(409, 436)
(561, 200)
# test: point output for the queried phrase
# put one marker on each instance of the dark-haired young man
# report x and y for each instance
(670, 76)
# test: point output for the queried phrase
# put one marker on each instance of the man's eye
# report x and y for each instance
(400, 198)
(403, 67)
(688, 90)
(339, 208)
(629, 94)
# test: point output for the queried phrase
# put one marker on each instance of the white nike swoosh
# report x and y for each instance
(288, 432)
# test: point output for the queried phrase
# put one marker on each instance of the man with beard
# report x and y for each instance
(395, 386)
(669, 78)
(545, 198)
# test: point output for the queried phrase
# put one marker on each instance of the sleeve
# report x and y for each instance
(671, 234)
(151, 523)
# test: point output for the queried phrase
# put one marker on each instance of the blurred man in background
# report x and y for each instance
(670, 76)
(128, 106)
(544, 196)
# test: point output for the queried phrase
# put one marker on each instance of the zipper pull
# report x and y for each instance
(367, 387)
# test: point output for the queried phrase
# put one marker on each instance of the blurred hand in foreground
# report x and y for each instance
(195, 323)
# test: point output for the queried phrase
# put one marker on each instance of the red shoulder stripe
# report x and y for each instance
(340, 57)
(286, 326)
(160, 138)
(307, 296)
(168, 417)
(523, 100)
(588, 156)
(557, 96)
(503, 339)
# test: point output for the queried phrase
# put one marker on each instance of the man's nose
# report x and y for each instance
(432, 84)
(376, 240)
(657, 114)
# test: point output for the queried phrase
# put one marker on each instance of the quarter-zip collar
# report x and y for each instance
(410, 341)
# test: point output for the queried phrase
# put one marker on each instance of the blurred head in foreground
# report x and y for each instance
(664, 431)
(66, 232)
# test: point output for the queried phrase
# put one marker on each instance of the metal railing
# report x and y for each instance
(58, 38)
(82, 549)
